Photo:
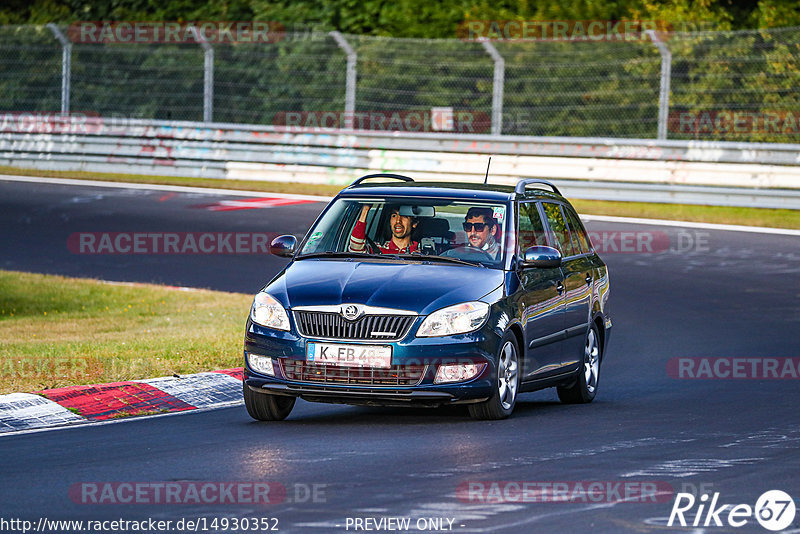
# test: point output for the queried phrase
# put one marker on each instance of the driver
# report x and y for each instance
(482, 230)
(400, 225)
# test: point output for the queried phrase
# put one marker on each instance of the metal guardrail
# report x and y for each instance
(716, 173)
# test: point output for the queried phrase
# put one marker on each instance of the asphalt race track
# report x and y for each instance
(701, 293)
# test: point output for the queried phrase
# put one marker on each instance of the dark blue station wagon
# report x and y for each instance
(408, 293)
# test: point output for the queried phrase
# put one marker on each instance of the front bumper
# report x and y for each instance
(480, 346)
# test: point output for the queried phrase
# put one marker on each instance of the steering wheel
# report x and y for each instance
(469, 250)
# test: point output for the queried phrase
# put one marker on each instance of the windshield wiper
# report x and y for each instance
(446, 259)
(329, 254)
(344, 254)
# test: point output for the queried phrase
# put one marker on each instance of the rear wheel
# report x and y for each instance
(506, 384)
(266, 407)
(585, 387)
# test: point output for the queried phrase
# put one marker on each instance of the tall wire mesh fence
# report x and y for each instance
(740, 86)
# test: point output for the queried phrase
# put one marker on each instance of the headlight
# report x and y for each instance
(261, 364)
(457, 319)
(268, 312)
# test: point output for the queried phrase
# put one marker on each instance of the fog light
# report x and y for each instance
(457, 372)
(261, 364)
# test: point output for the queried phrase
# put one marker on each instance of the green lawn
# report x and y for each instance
(57, 331)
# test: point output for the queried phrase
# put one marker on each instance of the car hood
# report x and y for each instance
(408, 286)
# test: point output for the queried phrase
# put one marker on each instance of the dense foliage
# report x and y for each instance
(410, 18)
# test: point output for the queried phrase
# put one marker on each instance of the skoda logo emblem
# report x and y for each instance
(350, 311)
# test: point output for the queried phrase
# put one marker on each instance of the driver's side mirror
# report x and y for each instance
(283, 246)
(540, 256)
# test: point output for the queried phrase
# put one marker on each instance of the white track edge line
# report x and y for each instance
(232, 192)
(690, 224)
(160, 187)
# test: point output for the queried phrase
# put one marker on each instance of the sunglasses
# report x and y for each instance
(478, 226)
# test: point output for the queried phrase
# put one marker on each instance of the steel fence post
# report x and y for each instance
(666, 74)
(66, 66)
(350, 78)
(497, 87)
(208, 75)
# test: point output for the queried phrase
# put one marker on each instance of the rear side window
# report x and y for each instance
(531, 229)
(577, 230)
(559, 230)
(573, 236)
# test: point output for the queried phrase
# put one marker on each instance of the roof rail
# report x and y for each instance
(525, 182)
(382, 175)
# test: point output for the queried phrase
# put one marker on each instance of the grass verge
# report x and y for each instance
(57, 331)
(773, 218)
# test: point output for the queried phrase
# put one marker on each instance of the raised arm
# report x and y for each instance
(358, 236)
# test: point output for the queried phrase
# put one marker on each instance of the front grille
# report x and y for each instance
(326, 373)
(367, 327)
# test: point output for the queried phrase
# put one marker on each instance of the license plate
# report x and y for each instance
(350, 355)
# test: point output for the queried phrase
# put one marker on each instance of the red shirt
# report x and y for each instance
(358, 242)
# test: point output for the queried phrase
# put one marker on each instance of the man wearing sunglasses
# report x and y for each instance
(481, 229)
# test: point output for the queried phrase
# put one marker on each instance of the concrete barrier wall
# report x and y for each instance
(764, 175)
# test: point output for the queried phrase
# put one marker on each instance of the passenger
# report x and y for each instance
(400, 225)
(482, 231)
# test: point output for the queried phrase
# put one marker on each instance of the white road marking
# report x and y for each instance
(690, 467)
(158, 187)
(233, 192)
(689, 224)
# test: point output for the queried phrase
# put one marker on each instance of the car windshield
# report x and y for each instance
(452, 231)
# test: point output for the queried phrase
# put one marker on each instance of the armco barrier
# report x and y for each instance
(715, 173)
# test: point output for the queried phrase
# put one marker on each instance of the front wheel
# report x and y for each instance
(585, 387)
(506, 384)
(266, 407)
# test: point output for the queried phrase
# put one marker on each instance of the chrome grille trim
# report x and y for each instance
(332, 326)
(368, 310)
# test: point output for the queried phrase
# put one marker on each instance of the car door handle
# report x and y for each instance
(560, 287)
(588, 279)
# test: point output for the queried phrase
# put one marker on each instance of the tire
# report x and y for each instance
(506, 384)
(265, 407)
(587, 379)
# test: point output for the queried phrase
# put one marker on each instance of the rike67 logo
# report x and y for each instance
(774, 510)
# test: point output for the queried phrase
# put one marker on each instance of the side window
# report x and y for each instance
(577, 229)
(558, 226)
(531, 229)
(573, 233)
